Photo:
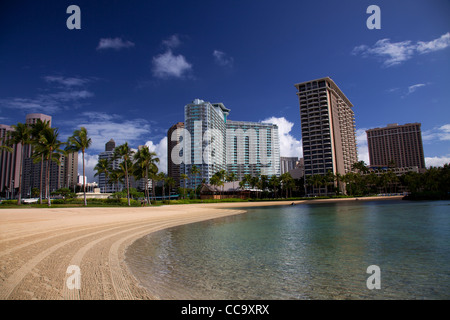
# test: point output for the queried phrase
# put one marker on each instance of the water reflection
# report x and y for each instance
(318, 251)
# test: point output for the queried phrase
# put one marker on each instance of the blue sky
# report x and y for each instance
(133, 65)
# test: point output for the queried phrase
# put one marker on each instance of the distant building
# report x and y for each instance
(299, 171)
(9, 165)
(328, 128)
(396, 146)
(110, 145)
(287, 163)
(245, 154)
(201, 117)
(173, 138)
(107, 185)
(62, 175)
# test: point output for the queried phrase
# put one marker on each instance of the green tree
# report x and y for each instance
(4, 146)
(184, 177)
(125, 153)
(115, 178)
(317, 181)
(254, 183)
(103, 167)
(80, 141)
(20, 134)
(274, 182)
(51, 147)
(287, 182)
(361, 167)
(146, 162)
(215, 180)
(162, 177)
(195, 171)
(231, 177)
(170, 184)
(36, 130)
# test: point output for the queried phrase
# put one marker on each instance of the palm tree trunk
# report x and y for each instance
(128, 185)
(47, 183)
(40, 180)
(84, 181)
(146, 186)
(19, 199)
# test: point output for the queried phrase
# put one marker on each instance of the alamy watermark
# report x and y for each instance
(212, 143)
(374, 281)
(374, 21)
(74, 280)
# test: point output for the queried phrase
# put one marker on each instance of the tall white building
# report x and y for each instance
(212, 143)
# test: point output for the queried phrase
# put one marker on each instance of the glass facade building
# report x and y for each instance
(212, 143)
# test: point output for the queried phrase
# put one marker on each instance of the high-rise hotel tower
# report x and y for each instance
(213, 143)
(396, 144)
(328, 128)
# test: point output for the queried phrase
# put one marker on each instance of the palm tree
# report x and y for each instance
(254, 183)
(338, 179)
(264, 180)
(329, 179)
(80, 141)
(184, 177)
(170, 183)
(103, 167)
(274, 182)
(195, 171)
(317, 181)
(231, 177)
(162, 177)
(360, 166)
(215, 180)
(36, 130)
(114, 177)
(4, 146)
(20, 135)
(125, 153)
(222, 174)
(51, 148)
(145, 160)
(287, 181)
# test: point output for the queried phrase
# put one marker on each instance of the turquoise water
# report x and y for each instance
(317, 251)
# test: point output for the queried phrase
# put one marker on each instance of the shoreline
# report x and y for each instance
(38, 245)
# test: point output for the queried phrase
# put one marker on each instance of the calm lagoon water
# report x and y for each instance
(316, 251)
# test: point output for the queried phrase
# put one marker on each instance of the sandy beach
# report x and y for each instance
(38, 245)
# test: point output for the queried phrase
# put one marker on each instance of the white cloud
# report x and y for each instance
(413, 88)
(161, 151)
(90, 161)
(222, 59)
(395, 53)
(63, 93)
(71, 95)
(441, 133)
(67, 81)
(361, 143)
(114, 43)
(438, 44)
(437, 161)
(289, 146)
(172, 42)
(168, 65)
(102, 127)
(38, 104)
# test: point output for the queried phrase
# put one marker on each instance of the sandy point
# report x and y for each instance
(78, 253)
